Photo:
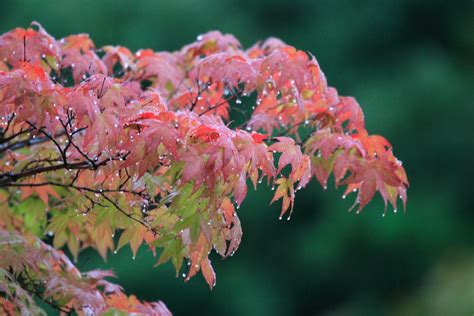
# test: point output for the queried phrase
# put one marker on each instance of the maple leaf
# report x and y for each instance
(78, 54)
(28, 45)
(266, 47)
(235, 236)
(43, 192)
(258, 138)
(286, 192)
(349, 110)
(228, 209)
(194, 166)
(228, 68)
(162, 69)
(209, 43)
(374, 175)
(264, 121)
(290, 152)
(302, 173)
(208, 272)
(206, 134)
(240, 189)
(117, 55)
(373, 144)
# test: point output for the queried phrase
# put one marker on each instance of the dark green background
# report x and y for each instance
(410, 64)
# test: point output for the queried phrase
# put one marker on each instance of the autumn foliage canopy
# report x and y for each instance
(104, 148)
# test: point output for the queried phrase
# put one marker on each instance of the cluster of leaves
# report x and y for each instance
(30, 268)
(99, 142)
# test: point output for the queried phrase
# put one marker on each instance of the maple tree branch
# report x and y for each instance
(121, 210)
(4, 131)
(225, 100)
(22, 144)
(189, 165)
(69, 136)
(78, 172)
(51, 138)
(90, 163)
(289, 129)
(199, 92)
(7, 178)
(4, 140)
(31, 286)
(6, 145)
(78, 188)
(175, 90)
(126, 180)
(37, 162)
(24, 49)
(101, 192)
(99, 95)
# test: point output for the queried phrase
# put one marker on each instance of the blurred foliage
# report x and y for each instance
(410, 64)
(450, 281)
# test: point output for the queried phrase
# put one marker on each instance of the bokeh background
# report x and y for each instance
(410, 64)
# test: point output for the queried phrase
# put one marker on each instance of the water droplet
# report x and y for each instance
(238, 101)
(344, 196)
(395, 210)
